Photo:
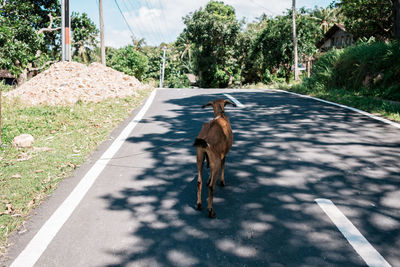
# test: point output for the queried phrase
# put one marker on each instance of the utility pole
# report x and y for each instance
(163, 69)
(160, 74)
(103, 48)
(296, 72)
(65, 31)
(62, 31)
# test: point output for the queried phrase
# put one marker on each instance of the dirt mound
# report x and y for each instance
(65, 83)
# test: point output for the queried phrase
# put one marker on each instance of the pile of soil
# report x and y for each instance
(65, 83)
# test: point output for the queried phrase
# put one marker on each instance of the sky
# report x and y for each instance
(160, 21)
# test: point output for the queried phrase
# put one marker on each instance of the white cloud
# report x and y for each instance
(116, 38)
(252, 9)
(161, 22)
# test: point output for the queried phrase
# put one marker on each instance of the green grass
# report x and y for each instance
(4, 87)
(28, 176)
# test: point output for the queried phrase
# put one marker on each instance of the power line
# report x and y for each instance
(270, 11)
(163, 15)
(154, 32)
(134, 8)
(126, 22)
(137, 29)
(163, 39)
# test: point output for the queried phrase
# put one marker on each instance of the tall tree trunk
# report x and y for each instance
(296, 73)
(288, 71)
(230, 78)
(396, 9)
(200, 79)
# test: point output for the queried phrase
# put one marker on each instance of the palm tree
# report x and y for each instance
(184, 47)
(138, 43)
(326, 17)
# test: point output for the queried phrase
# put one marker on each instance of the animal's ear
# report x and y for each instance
(207, 105)
(229, 102)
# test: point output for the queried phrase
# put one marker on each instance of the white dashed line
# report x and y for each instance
(234, 100)
(48, 231)
(367, 252)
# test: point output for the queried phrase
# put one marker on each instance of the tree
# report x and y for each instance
(214, 32)
(154, 58)
(368, 18)
(184, 47)
(84, 37)
(275, 43)
(326, 17)
(251, 63)
(28, 35)
(138, 43)
(129, 61)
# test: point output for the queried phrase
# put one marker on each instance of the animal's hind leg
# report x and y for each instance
(215, 168)
(222, 180)
(200, 160)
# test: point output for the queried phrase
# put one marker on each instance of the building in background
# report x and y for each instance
(336, 36)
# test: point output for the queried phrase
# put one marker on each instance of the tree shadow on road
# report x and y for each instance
(287, 152)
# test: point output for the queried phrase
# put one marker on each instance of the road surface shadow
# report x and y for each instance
(287, 152)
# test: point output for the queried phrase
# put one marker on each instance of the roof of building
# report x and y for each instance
(336, 27)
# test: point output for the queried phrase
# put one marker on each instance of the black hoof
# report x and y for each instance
(211, 214)
(199, 206)
(222, 183)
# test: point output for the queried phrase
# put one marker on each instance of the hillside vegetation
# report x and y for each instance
(366, 76)
(365, 69)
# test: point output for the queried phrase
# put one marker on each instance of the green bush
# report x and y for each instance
(323, 70)
(179, 81)
(359, 63)
(130, 61)
(267, 77)
(370, 69)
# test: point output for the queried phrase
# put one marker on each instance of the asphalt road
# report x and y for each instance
(287, 152)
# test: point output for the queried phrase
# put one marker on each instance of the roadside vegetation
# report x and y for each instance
(218, 48)
(365, 76)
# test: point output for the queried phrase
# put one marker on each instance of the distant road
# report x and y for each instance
(308, 184)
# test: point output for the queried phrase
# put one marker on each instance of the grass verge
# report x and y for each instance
(64, 138)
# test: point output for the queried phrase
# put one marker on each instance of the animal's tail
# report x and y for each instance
(200, 143)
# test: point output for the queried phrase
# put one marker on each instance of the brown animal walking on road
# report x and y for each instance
(213, 144)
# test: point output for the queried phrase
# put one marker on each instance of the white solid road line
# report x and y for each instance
(48, 231)
(234, 100)
(367, 252)
(395, 124)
